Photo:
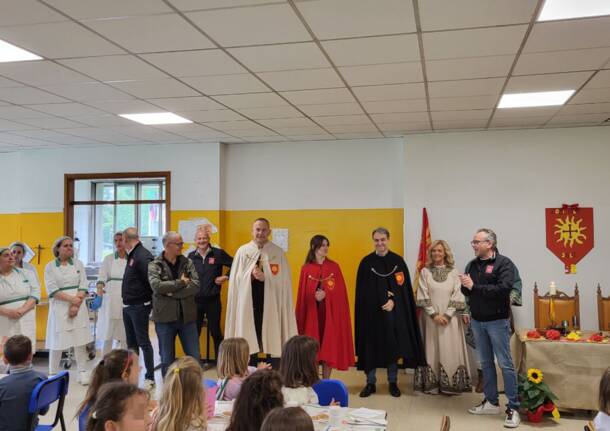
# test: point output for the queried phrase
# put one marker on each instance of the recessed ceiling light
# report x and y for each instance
(568, 9)
(156, 118)
(10, 52)
(543, 98)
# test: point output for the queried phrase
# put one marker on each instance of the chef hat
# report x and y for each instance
(28, 253)
(57, 243)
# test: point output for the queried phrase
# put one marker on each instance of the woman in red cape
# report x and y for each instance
(323, 310)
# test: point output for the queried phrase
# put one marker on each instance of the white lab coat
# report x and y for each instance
(15, 289)
(64, 332)
(110, 324)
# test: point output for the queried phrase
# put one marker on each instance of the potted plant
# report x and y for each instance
(536, 396)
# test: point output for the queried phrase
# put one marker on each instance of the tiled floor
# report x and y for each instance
(409, 412)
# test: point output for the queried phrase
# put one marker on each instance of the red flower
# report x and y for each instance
(553, 334)
(533, 334)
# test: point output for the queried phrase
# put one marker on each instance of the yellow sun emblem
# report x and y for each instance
(534, 375)
(570, 231)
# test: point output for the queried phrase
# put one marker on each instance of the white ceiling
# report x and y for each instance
(277, 70)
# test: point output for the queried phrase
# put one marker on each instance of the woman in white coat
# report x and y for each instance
(110, 324)
(19, 295)
(68, 322)
(23, 254)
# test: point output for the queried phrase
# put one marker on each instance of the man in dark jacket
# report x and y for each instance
(175, 283)
(209, 262)
(487, 285)
(137, 297)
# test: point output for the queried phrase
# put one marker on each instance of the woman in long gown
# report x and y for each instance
(442, 325)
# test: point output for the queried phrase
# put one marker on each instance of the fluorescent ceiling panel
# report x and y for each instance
(544, 98)
(569, 9)
(156, 118)
(9, 52)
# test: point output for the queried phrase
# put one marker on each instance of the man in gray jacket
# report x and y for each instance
(175, 283)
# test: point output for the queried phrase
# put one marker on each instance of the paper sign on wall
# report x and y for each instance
(280, 238)
(188, 228)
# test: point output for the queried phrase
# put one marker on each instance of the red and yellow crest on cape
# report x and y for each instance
(275, 268)
(330, 284)
(400, 278)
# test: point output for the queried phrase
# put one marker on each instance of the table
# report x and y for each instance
(572, 369)
(319, 414)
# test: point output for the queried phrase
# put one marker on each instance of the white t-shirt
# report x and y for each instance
(602, 422)
(301, 395)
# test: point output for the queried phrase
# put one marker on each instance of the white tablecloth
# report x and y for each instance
(355, 419)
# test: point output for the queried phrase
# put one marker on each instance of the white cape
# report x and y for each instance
(279, 322)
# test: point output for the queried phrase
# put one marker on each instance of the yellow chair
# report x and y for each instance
(566, 307)
(603, 310)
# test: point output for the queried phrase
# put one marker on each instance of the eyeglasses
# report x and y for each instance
(179, 244)
(476, 242)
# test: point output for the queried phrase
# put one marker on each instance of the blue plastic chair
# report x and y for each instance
(46, 393)
(209, 383)
(329, 389)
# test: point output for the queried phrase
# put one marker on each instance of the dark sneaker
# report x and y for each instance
(394, 391)
(368, 390)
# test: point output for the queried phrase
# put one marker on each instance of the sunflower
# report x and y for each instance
(534, 375)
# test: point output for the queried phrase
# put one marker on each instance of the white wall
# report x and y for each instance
(504, 180)
(40, 181)
(312, 175)
(10, 173)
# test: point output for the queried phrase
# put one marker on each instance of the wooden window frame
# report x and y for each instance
(69, 201)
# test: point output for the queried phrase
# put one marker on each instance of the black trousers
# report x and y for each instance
(258, 303)
(135, 319)
(211, 308)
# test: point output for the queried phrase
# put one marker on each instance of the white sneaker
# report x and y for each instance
(512, 418)
(485, 408)
(83, 378)
(148, 385)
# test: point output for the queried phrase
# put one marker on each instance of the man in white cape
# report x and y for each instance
(259, 306)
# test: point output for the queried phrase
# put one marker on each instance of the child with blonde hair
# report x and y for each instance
(182, 406)
(232, 366)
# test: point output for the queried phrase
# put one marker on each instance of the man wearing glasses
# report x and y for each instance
(487, 284)
(175, 283)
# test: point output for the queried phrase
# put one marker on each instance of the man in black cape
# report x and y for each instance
(386, 325)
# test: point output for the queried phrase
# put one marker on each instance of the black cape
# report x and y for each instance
(383, 337)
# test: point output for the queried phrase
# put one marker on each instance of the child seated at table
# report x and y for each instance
(299, 370)
(260, 393)
(182, 406)
(233, 357)
(116, 365)
(602, 419)
(16, 388)
(120, 406)
(288, 419)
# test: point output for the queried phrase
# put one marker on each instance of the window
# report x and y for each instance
(100, 205)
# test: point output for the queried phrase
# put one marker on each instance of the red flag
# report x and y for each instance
(424, 245)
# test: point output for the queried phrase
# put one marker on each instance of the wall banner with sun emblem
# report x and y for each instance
(569, 234)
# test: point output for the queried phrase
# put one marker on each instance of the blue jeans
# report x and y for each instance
(371, 376)
(167, 341)
(494, 338)
(135, 319)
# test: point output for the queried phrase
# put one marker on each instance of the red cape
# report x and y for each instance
(337, 347)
